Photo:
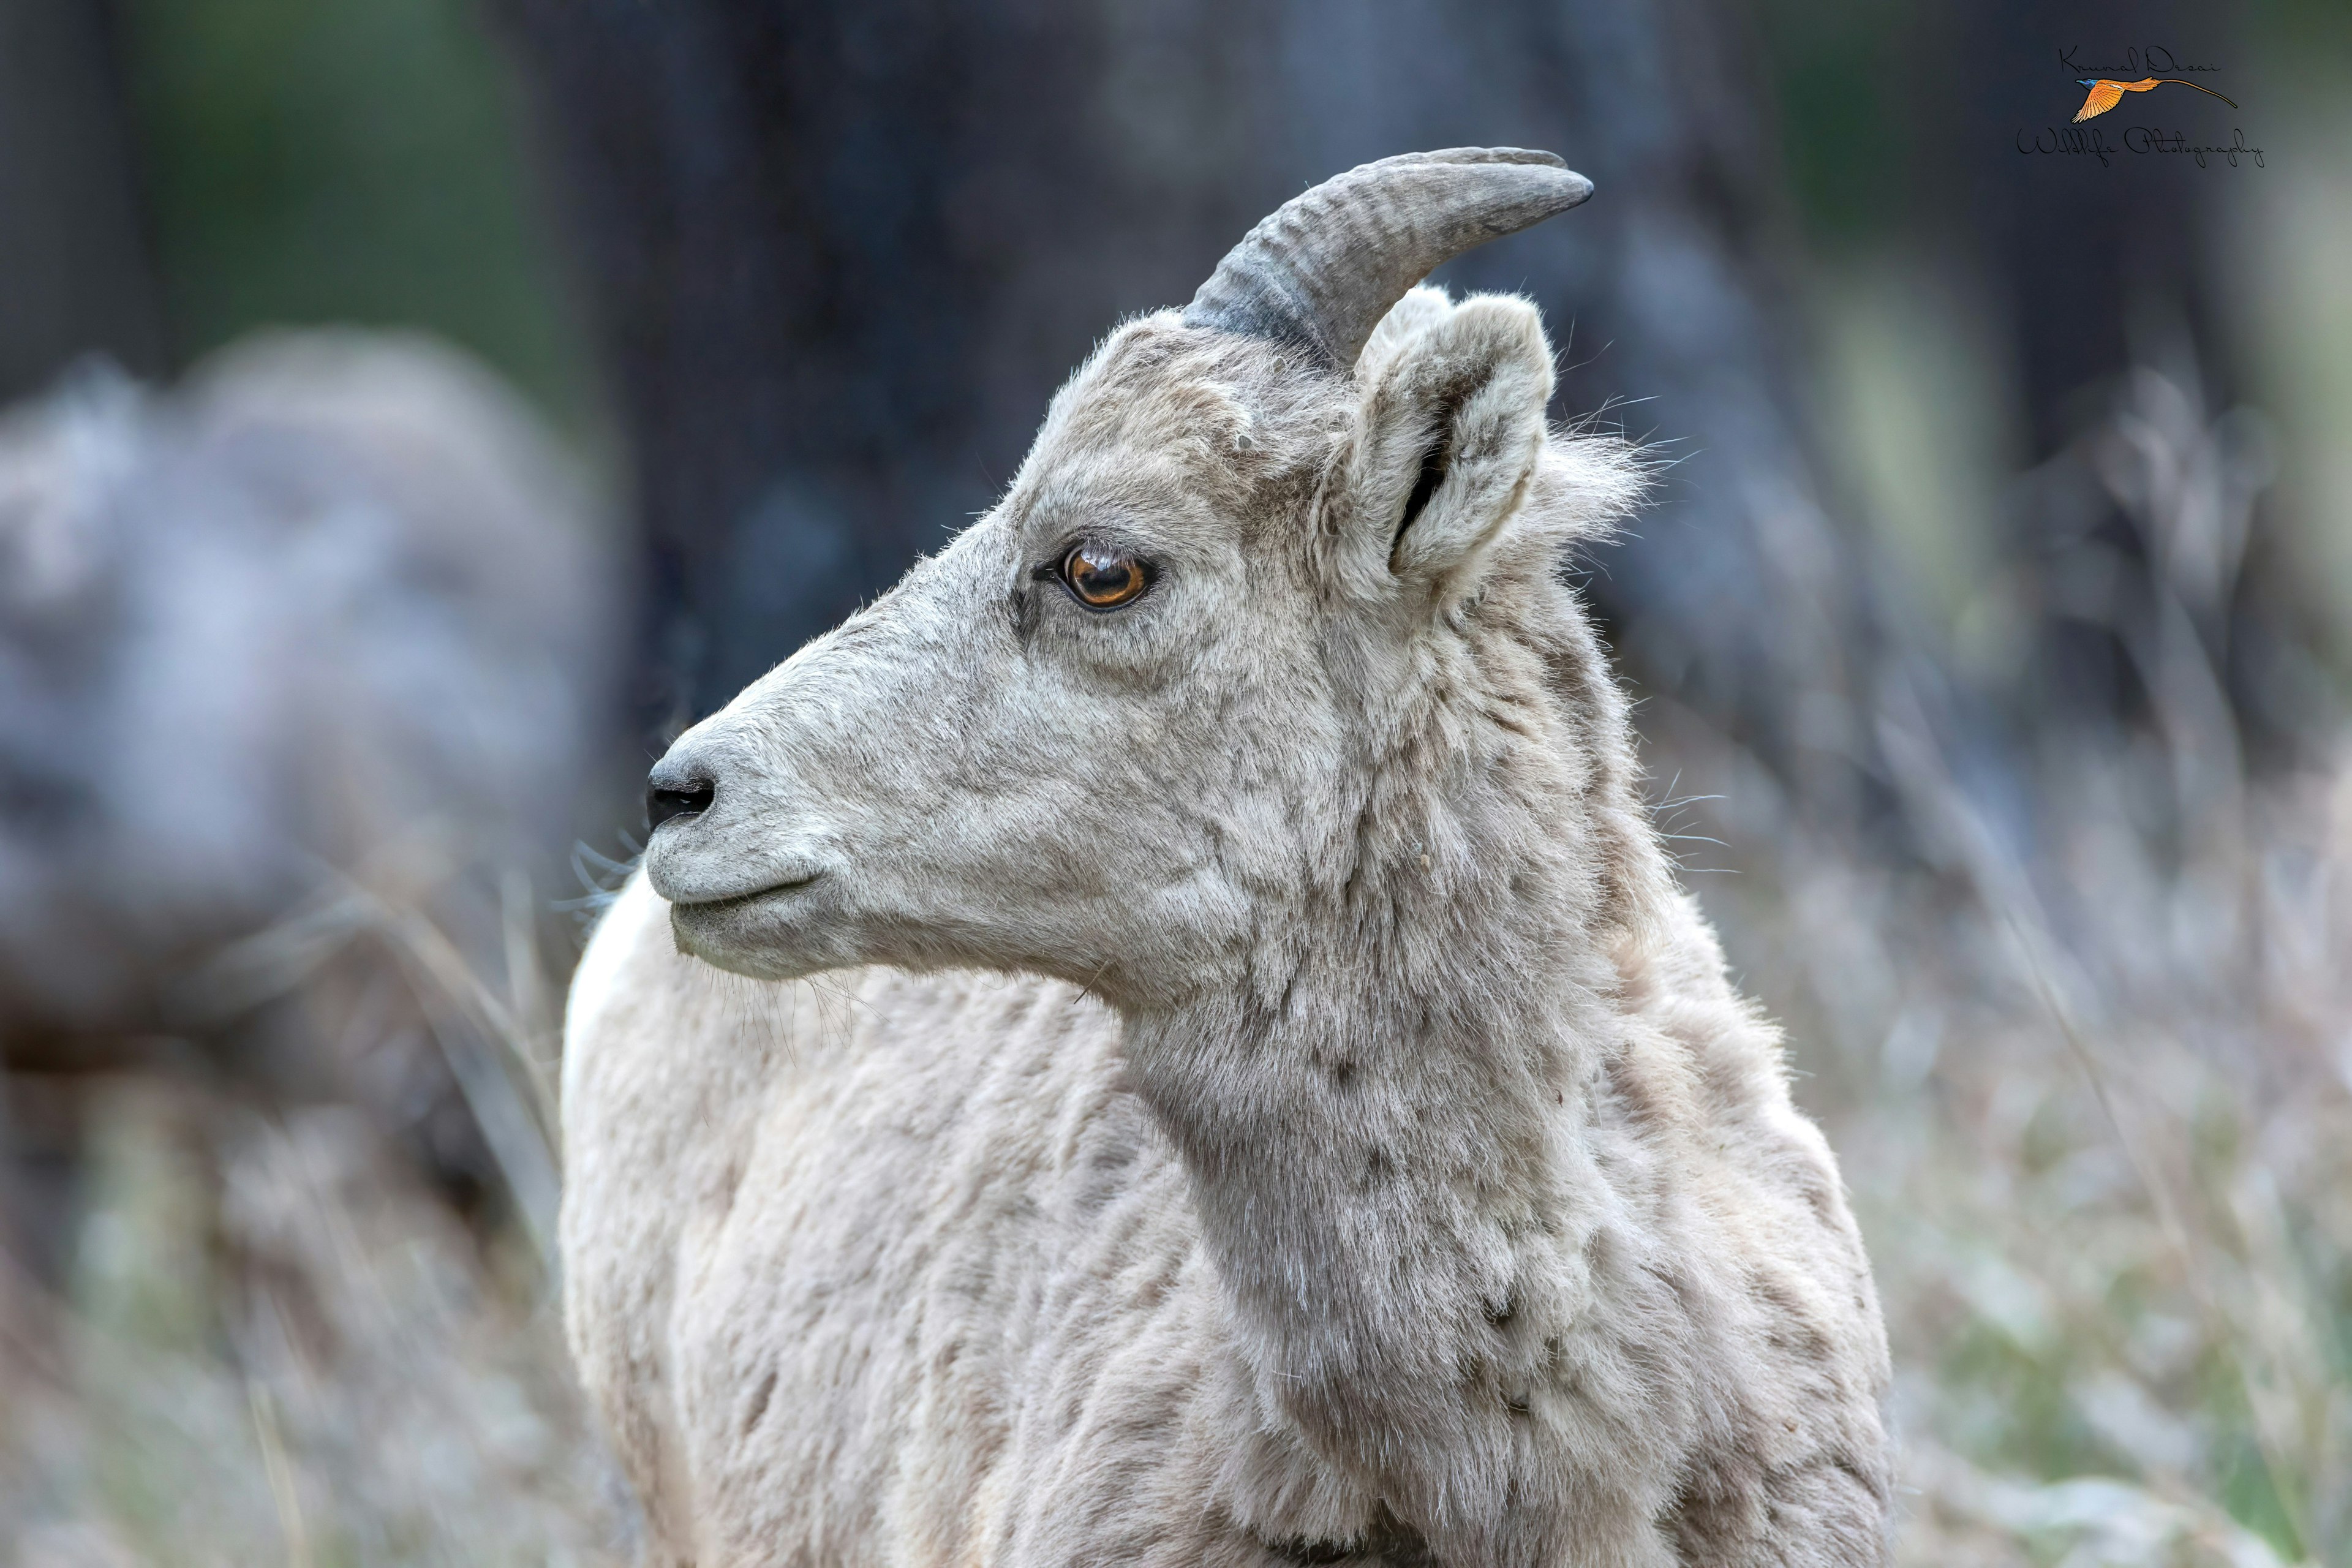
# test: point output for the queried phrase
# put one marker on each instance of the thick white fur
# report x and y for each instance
(1357, 1153)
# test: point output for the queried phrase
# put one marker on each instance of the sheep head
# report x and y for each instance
(1238, 634)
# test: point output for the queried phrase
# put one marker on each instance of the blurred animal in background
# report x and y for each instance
(301, 667)
(2106, 94)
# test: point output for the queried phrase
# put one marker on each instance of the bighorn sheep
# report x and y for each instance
(1352, 1149)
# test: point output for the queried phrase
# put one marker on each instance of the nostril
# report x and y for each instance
(688, 797)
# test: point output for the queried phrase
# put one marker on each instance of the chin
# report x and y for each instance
(763, 938)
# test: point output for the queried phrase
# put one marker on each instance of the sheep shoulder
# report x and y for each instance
(1742, 1255)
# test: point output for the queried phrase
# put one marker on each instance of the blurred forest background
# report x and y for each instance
(418, 408)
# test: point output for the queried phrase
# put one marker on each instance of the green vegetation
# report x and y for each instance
(354, 161)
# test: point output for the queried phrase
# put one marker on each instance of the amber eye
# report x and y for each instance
(1101, 577)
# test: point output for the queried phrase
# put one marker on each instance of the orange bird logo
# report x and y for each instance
(2107, 94)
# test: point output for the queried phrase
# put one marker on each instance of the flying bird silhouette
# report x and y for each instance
(2107, 94)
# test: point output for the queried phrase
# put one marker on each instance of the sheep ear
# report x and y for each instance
(1448, 428)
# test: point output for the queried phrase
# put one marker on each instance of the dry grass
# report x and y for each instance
(273, 1343)
(275, 1350)
(2083, 1045)
(2087, 1056)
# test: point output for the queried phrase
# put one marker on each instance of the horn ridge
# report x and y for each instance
(1321, 271)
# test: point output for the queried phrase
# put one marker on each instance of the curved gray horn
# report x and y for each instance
(1325, 268)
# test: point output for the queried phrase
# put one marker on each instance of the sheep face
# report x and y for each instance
(1125, 724)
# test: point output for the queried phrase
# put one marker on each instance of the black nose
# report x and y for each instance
(668, 797)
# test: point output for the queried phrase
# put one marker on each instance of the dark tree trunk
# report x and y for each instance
(75, 276)
(845, 250)
(2073, 251)
(2090, 267)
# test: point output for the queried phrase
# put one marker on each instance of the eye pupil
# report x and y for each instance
(1102, 577)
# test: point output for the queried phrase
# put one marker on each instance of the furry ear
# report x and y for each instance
(1448, 429)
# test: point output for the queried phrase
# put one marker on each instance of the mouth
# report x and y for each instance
(701, 907)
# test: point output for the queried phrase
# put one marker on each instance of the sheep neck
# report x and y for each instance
(1383, 1132)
